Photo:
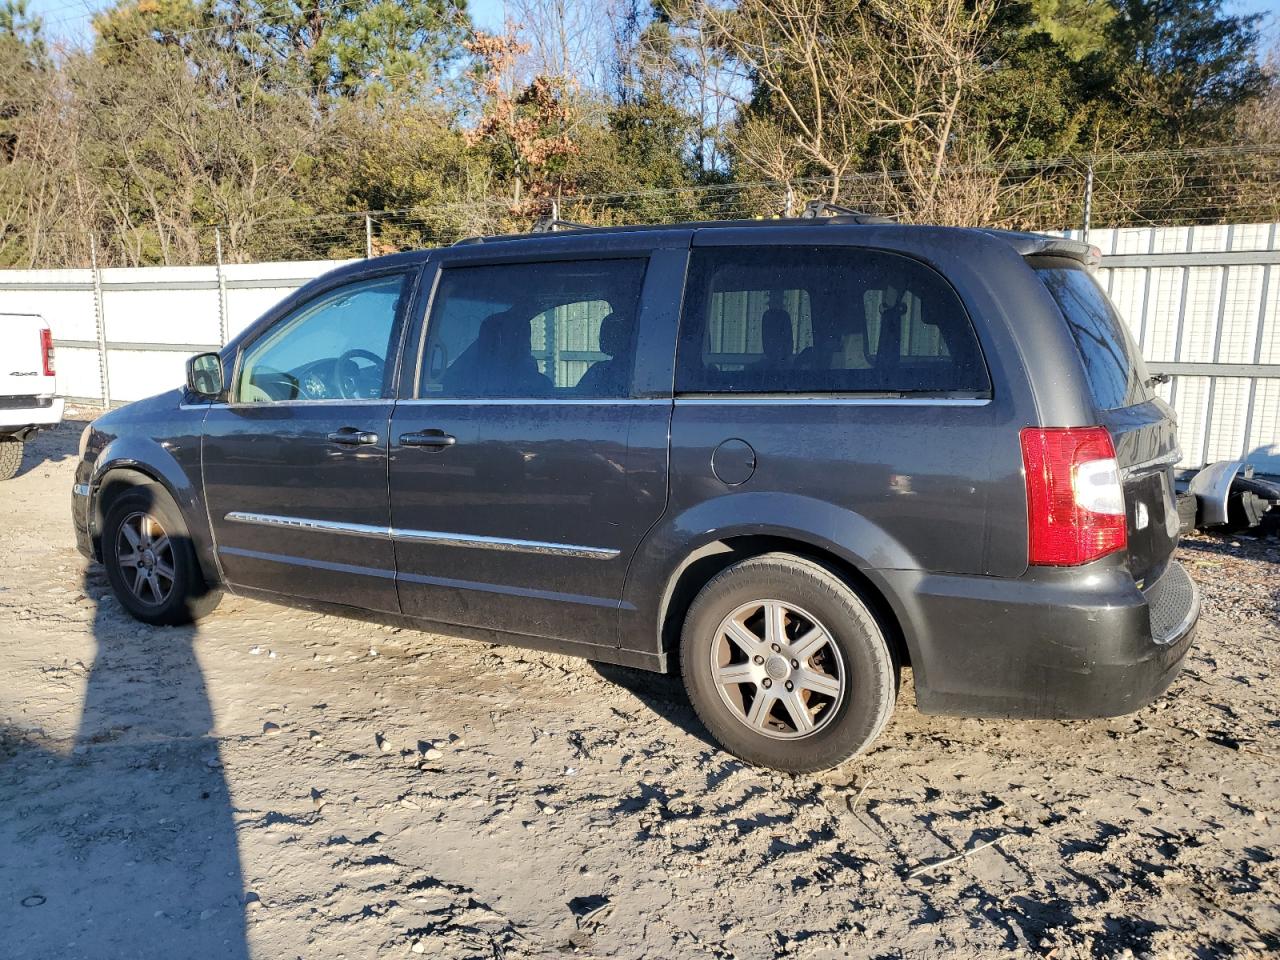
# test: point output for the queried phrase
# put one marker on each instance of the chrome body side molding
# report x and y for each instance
(425, 536)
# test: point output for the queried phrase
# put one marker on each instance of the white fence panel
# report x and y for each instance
(1202, 303)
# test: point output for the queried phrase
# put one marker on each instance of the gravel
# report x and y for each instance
(589, 814)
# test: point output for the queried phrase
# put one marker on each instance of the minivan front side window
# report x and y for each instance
(332, 348)
(550, 329)
(823, 320)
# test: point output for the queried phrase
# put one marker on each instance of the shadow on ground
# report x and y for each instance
(52, 446)
(663, 693)
(122, 843)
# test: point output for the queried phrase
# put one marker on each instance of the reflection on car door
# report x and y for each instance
(295, 464)
(520, 486)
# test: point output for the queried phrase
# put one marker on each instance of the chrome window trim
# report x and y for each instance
(530, 401)
(437, 537)
(833, 399)
(327, 401)
(441, 402)
(269, 404)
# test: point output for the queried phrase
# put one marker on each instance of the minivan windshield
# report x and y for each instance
(1112, 361)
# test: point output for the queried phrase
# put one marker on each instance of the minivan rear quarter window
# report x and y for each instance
(1112, 363)
(792, 319)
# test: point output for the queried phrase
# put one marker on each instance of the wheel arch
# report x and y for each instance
(122, 475)
(704, 563)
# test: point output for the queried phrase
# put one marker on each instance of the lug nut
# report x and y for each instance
(790, 686)
(795, 664)
(767, 683)
(776, 648)
(758, 659)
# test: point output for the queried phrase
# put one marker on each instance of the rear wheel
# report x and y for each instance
(150, 560)
(786, 665)
(10, 457)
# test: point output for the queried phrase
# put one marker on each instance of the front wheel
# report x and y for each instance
(150, 560)
(785, 665)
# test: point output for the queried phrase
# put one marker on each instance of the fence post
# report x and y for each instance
(100, 321)
(1088, 202)
(368, 237)
(222, 285)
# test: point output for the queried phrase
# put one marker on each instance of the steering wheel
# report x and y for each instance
(346, 373)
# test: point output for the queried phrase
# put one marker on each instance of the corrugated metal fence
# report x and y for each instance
(1203, 302)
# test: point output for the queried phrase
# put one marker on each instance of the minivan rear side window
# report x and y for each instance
(564, 328)
(806, 319)
(1112, 362)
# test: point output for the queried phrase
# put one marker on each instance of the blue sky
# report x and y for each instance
(70, 18)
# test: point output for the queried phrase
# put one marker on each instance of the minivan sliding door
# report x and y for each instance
(531, 457)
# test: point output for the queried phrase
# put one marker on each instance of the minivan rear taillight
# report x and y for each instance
(46, 351)
(1075, 500)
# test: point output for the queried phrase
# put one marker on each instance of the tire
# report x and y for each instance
(165, 585)
(1188, 510)
(1244, 510)
(11, 449)
(1263, 489)
(845, 681)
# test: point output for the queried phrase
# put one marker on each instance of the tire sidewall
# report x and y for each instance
(11, 451)
(188, 586)
(870, 674)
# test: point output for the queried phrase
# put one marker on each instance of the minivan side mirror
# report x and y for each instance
(204, 375)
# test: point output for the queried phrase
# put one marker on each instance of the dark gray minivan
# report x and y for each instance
(793, 456)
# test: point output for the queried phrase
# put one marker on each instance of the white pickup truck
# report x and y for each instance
(27, 386)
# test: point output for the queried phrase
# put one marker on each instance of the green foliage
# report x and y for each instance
(1077, 27)
(280, 122)
(1177, 70)
(340, 49)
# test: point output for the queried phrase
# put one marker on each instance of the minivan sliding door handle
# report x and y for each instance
(428, 438)
(353, 437)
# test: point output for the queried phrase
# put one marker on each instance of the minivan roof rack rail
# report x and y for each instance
(818, 208)
(550, 223)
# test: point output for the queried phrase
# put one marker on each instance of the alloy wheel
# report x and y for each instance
(778, 669)
(145, 555)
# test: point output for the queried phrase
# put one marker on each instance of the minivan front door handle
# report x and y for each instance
(353, 437)
(428, 438)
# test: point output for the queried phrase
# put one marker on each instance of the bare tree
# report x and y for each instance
(833, 78)
(567, 38)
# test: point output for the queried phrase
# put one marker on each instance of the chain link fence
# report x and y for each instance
(1193, 187)
(1162, 188)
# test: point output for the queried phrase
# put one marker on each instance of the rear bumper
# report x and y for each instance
(1055, 644)
(34, 414)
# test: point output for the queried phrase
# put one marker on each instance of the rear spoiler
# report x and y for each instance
(1038, 245)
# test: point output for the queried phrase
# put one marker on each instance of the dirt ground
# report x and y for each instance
(279, 784)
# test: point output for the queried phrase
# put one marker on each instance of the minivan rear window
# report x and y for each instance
(817, 319)
(1112, 362)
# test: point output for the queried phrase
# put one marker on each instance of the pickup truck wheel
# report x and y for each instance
(150, 560)
(785, 665)
(10, 457)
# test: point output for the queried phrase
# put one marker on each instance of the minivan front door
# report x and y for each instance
(530, 462)
(295, 464)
